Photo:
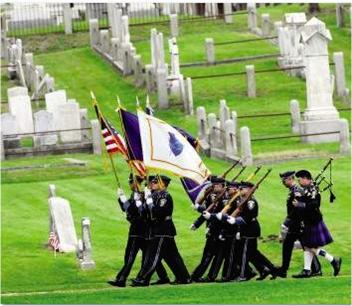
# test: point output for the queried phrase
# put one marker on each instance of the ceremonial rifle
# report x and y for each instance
(237, 193)
(240, 207)
(217, 199)
(320, 178)
(228, 171)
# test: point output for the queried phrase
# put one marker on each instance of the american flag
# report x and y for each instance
(139, 167)
(113, 141)
(54, 241)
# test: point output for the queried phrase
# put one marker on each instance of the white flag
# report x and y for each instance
(165, 148)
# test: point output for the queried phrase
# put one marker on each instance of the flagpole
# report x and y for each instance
(95, 102)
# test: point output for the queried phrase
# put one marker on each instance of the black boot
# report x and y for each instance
(161, 281)
(336, 264)
(263, 274)
(117, 283)
(139, 283)
(303, 274)
(281, 273)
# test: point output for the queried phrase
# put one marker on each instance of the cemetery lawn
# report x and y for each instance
(31, 273)
(80, 70)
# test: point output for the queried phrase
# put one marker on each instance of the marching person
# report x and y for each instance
(315, 234)
(292, 227)
(212, 252)
(138, 231)
(162, 246)
(249, 231)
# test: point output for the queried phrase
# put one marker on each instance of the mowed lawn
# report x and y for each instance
(31, 273)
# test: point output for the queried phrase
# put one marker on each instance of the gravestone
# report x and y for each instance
(53, 100)
(246, 147)
(8, 124)
(44, 122)
(94, 32)
(320, 115)
(17, 91)
(61, 215)
(69, 119)
(85, 124)
(21, 108)
(87, 261)
(210, 50)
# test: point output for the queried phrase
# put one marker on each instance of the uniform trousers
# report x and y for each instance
(213, 251)
(163, 248)
(134, 244)
(250, 253)
(287, 247)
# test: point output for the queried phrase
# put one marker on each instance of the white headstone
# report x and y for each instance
(63, 223)
(70, 119)
(21, 108)
(53, 100)
(17, 91)
(8, 124)
(44, 122)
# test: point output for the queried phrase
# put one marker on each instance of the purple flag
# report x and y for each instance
(132, 134)
(192, 188)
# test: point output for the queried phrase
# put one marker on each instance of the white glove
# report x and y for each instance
(136, 196)
(121, 195)
(238, 236)
(206, 215)
(138, 203)
(231, 220)
(195, 206)
(192, 227)
(149, 201)
(284, 231)
(219, 216)
(147, 193)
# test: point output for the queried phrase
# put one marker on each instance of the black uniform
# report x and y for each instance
(137, 238)
(214, 246)
(250, 231)
(162, 243)
(294, 222)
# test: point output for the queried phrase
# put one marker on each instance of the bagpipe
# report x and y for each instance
(320, 178)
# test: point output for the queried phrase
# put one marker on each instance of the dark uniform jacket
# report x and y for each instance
(247, 220)
(138, 222)
(309, 204)
(213, 226)
(294, 215)
(161, 223)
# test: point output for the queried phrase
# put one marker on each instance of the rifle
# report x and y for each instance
(228, 171)
(239, 173)
(236, 195)
(240, 207)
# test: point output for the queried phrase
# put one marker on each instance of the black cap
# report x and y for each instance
(304, 173)
(165, 179)
(152, 178)
(138, 178)
(233, 184)
(217, 180)
(244, 184)
(287, 174)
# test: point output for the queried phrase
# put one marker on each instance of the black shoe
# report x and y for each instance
(223, 280)
(263, 274)
(139, 283)
(242, 279)
(198, 280)
(251, 275)
(209, 280)
(316, 274)
(281, 273)
(117, 283)
(161, 281)
(303, 274)
(181, 282)
(336, 264)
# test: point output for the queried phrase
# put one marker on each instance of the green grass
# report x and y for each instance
(27, 266)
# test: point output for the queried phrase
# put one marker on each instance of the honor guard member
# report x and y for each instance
(250, 231)
(136, 235)
(163, 245)
(315, 233)
(138, 231)
(211, 248)
(292, 227)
